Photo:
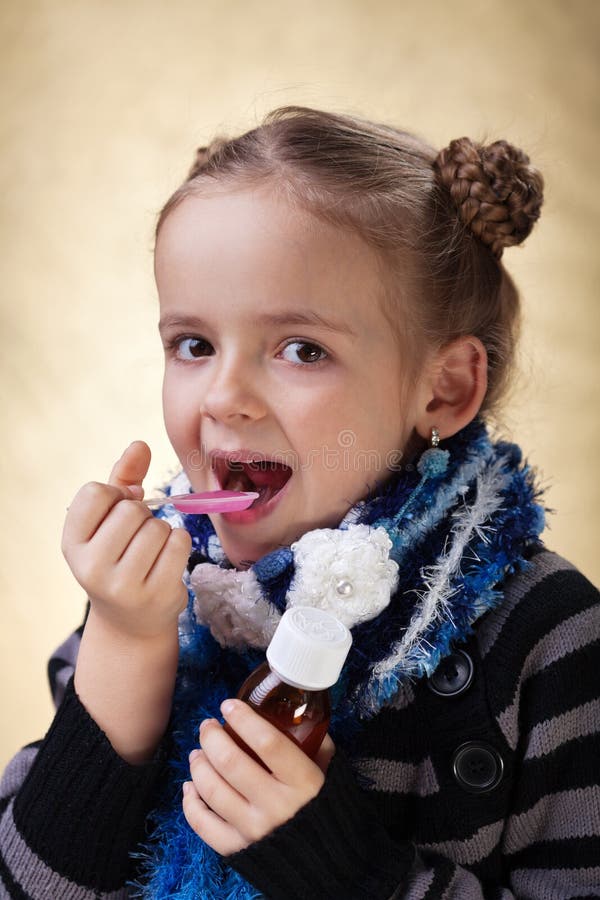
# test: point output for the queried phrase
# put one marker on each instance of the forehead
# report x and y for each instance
(251, 245)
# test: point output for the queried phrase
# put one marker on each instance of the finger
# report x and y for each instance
(244, 774)
(288, 763)
(116, 531)
(144, 546)
(130, 470)
(218, 834)
(172, 559)
(216, 791)
(91, 505)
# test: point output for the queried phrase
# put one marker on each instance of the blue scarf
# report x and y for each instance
(412, 567)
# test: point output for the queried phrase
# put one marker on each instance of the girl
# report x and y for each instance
(338, 330)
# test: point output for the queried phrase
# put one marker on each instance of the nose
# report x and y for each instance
(233, 391)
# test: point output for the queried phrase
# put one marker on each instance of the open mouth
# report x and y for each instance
(266, 476)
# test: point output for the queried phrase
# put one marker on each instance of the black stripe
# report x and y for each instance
(569, 853)
(444, 871)
(563, 684)
(15, 891)
(570, 766)
(395, 735)
(456, 815)
(558, 597)
(489, 871)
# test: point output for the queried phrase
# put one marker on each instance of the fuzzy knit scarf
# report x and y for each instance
(409, 570)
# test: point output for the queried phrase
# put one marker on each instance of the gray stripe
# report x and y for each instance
(34, 876)
(416, 888)
(68, 652)
(576, 723)
(16, 771)
(69, 649)
(466, 886)
(557, 884)
(471, 850)
(60, 684)
(558, 816)
(400, 777)
(568, 636)
(516, 586)
(463, 885)
(402, 698)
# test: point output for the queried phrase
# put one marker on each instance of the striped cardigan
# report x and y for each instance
(480, 782)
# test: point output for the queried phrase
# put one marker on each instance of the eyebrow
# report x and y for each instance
(295, 317)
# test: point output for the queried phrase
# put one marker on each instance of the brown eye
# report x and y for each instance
(192, 348)
(307, 353)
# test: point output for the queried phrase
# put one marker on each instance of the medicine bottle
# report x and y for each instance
(291, 688)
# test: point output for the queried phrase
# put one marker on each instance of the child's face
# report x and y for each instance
(328, 402)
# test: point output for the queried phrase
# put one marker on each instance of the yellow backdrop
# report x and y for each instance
(102, 106)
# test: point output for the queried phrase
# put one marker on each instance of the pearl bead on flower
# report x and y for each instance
(344, 588)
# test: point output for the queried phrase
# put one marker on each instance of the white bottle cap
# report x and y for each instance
(309, 648)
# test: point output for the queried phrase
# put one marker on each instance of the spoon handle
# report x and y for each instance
(157, 502)
(206, 502)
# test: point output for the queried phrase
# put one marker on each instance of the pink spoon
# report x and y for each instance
(206, 502)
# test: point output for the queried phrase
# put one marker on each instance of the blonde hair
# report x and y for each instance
(438, 221)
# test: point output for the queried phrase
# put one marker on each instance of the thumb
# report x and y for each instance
(130, 470)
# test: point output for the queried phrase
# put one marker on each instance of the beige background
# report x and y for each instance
(102, 106)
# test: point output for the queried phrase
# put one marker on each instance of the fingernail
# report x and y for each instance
(203, 724)
(193, 755)
(186, 787)
(227, 707)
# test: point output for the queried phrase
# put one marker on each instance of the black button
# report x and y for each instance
(453, 675)
(477, 767)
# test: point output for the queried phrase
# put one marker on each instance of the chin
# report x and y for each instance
(242, 554)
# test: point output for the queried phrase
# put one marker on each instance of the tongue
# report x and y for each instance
(273, 475)
(267, 480)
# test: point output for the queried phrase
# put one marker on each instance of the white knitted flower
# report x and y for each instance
(231, 604)
(346, 572)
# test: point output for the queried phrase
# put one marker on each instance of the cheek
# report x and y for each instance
(177, 414)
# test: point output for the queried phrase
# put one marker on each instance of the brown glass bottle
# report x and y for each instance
(302, 714)
(291, 688)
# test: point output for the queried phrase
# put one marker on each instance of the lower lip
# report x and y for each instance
(254, 513)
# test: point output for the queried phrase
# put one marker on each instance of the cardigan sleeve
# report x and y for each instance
(336, 848)
(547, 844)
(71, 808)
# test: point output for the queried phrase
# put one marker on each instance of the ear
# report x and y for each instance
(455, 386)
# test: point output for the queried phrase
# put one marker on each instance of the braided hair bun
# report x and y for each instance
(495, 189)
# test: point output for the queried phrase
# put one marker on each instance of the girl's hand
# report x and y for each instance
(232, 801)
(130, 563)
